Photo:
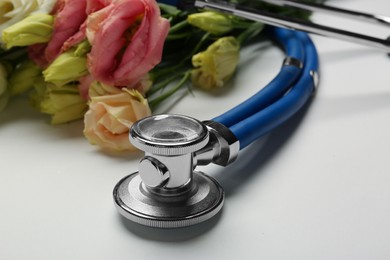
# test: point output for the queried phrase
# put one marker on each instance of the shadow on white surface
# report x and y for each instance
(125, 156)
(171, 235)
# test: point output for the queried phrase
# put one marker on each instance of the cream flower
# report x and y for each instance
(110, 117)
(13, 11)
(215, 66)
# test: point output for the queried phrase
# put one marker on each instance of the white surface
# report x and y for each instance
(317, 188)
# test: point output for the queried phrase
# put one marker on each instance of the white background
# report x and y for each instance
(316, 188)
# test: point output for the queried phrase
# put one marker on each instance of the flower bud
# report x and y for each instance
(35, 28)
(64, 103)
(23, 77)
(66, 68)
(215, 23)
(215, 66)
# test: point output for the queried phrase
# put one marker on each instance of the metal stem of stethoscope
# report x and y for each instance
(303, 25)
(314, 7)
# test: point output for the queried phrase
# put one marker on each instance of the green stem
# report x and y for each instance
(205, 37)
(178, 26)
(252, 31)
(156, 101)
(157, 87)
(159, 73)
(163, 71)
(178, 36)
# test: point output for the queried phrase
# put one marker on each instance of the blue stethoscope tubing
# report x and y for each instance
(285, 95)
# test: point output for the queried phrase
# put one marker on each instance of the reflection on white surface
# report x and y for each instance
(316, 188)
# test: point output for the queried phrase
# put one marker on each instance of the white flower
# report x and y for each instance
(45, 6)
(110, 117)
(13, 11)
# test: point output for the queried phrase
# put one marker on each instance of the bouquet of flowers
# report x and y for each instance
(111, 62)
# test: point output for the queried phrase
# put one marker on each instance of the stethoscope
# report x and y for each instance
(167, 191)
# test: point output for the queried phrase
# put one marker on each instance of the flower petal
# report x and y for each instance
(109, 30)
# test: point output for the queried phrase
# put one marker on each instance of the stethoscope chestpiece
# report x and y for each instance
(166, 192)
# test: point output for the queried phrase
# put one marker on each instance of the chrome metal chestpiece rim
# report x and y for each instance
(169, 134)
(190, 205)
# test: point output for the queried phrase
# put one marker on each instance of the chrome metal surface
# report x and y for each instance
(296, 24)
(175, 144)
(169, 142)
(314, 7)
(153, 172)
(179, 167)
(166, 192)
(169, 135)
(194, 203)
(291, 61)
(316, 78)
(222, 148)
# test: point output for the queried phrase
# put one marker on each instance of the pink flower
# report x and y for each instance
(96, 5)
(110, 117)
(80, 35)
(69, 16)
(127, 38)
